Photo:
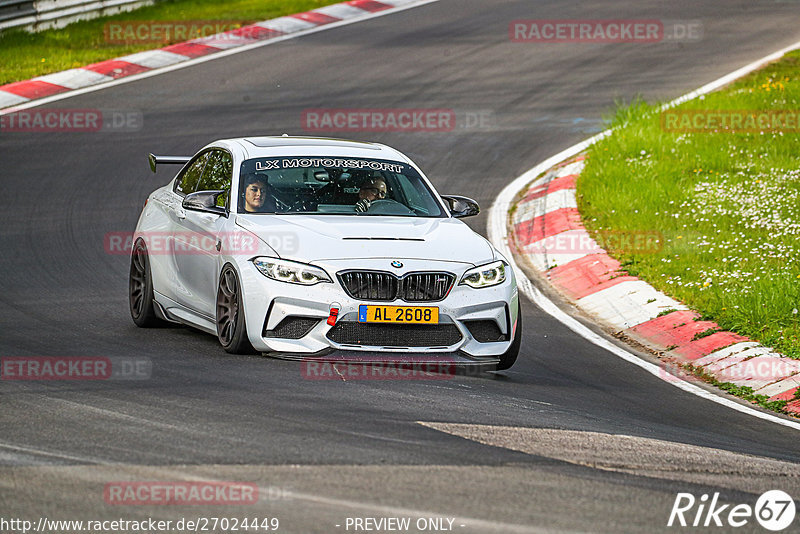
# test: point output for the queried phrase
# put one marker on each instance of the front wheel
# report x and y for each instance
(231, 328)
(508, 358)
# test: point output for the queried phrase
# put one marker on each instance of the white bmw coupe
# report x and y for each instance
(301, 247)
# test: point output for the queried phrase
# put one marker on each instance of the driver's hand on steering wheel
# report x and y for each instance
(362, 205)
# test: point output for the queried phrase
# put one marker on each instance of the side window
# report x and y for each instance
(188, 180)
(416, 196)
(217, 175)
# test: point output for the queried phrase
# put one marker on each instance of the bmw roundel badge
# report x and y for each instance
(397, 264)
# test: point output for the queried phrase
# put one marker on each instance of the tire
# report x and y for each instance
(231, 328)
(140, 288)
(508, 358)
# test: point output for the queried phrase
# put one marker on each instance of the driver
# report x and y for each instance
(371, 189)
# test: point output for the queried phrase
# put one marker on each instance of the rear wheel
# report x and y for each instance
(508, 358)
(231, 328)
(140, 288)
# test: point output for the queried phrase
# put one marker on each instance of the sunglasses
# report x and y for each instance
(377, 192)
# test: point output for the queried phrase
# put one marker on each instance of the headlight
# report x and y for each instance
(290, 271)
(487, 275)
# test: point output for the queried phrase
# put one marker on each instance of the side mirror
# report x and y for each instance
(205, 201)
(461, 206)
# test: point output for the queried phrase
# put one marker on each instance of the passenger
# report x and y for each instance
(255, 193)
(372, 189)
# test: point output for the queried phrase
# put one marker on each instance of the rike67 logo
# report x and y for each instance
(774, 510)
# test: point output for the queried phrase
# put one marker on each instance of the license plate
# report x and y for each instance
(398, 314)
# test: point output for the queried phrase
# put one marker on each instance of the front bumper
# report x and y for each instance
(274, 309)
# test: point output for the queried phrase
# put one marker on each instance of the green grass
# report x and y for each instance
(706, 333)
(24, 55)
(743, 392)
(727, 206)
(747, 394)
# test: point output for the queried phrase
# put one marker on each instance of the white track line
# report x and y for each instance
(498, 235)
(216, 55)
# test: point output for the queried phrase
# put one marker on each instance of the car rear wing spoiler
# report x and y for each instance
(167, 160)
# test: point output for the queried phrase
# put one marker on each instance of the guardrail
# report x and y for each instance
(40, 15)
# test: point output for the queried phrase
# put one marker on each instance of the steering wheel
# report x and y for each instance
(387, 206)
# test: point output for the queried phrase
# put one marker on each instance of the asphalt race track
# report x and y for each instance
(323, 451)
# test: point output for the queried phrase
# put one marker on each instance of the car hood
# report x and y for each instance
(309, 238)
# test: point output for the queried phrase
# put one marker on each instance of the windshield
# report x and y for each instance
(329, 185)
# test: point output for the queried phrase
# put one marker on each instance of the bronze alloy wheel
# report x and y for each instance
(231, 329)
